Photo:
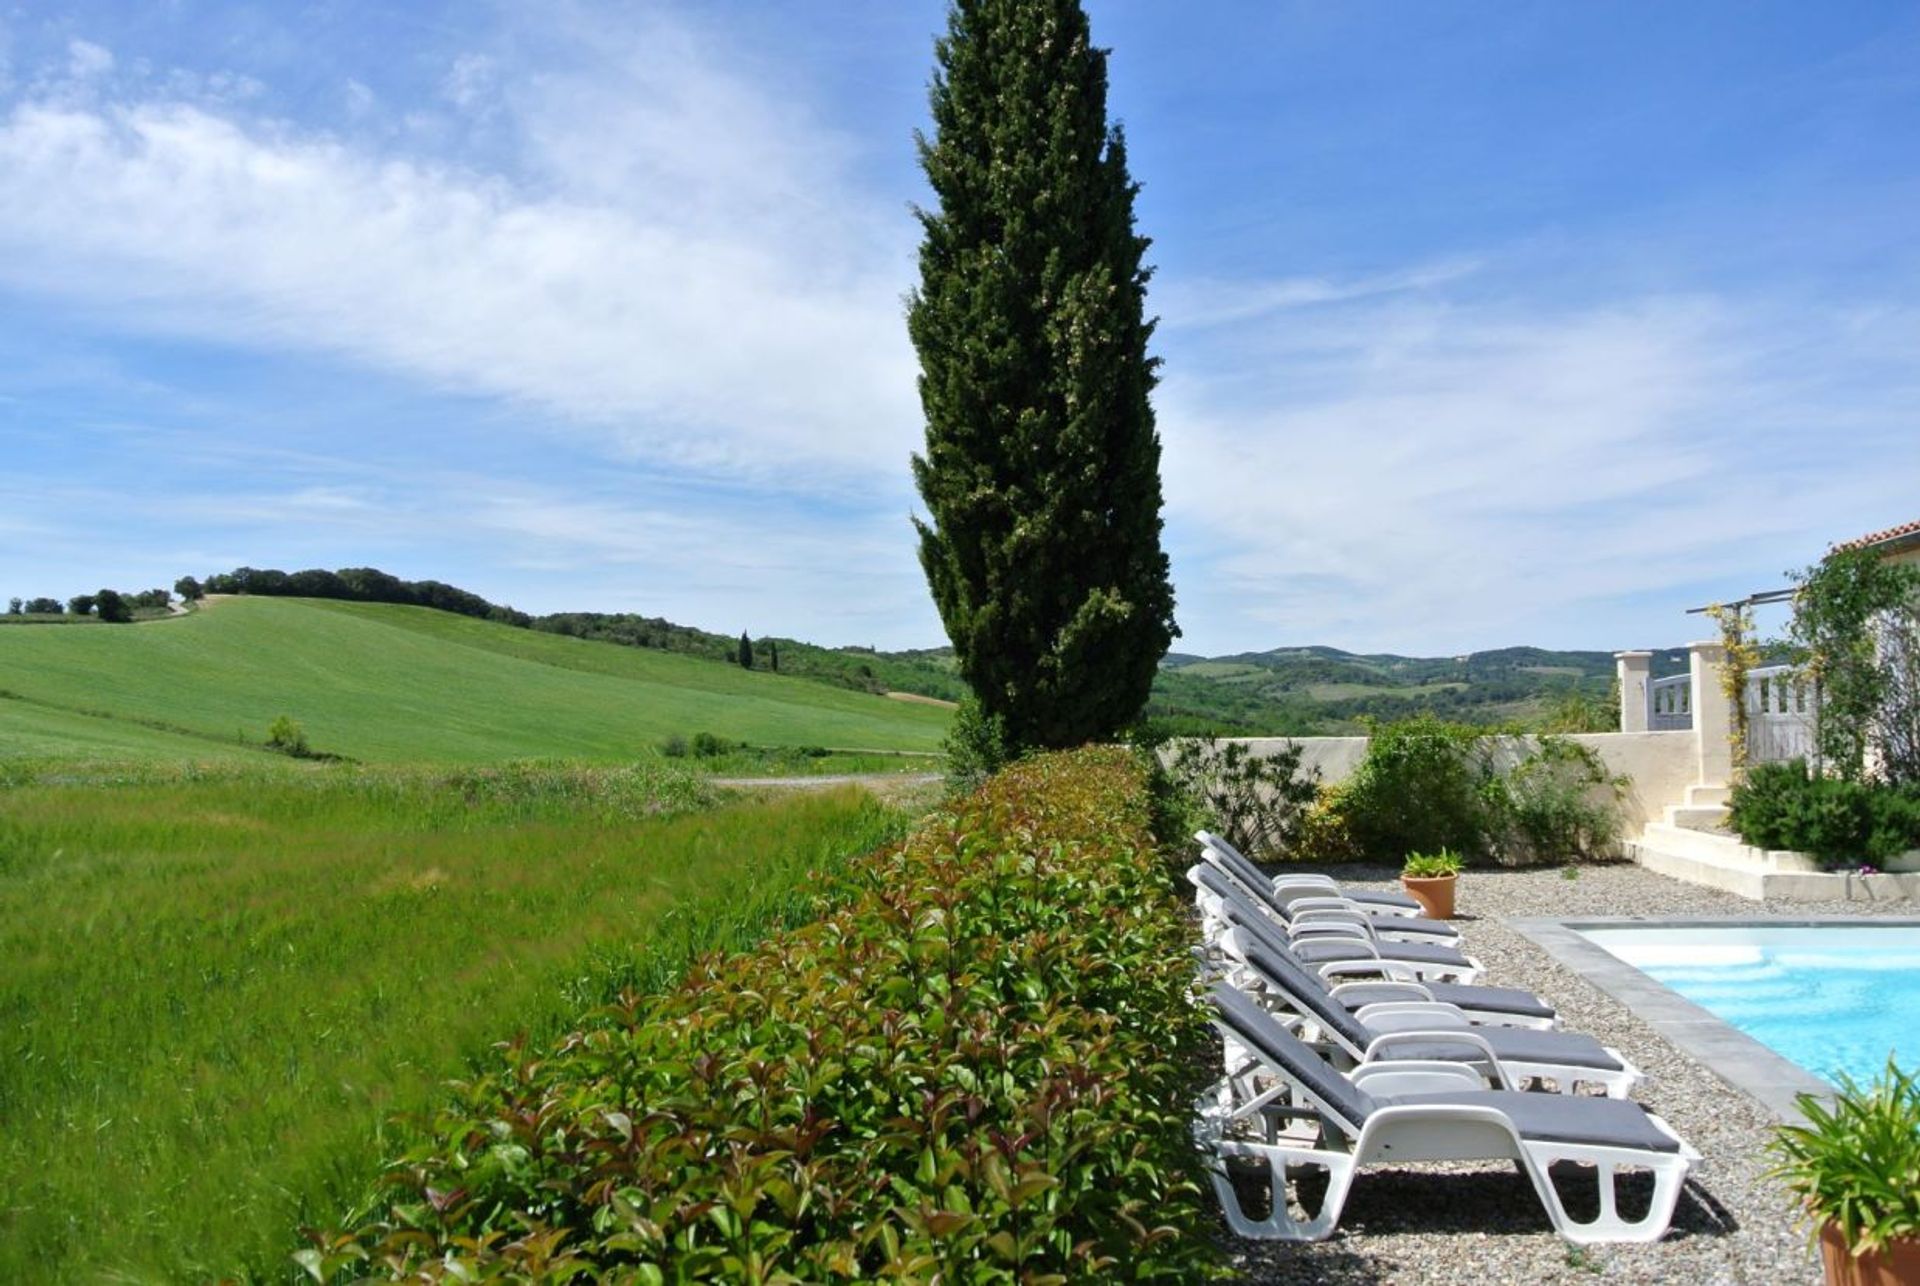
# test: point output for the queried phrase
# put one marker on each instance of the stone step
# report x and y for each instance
(1723, 862)
(1707, 796)
(1710, 817)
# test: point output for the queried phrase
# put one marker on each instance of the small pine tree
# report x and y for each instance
(773, 656)
(1041, 473)
(746, 651)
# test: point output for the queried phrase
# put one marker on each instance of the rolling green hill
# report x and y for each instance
(382, 682)
(1323, 690)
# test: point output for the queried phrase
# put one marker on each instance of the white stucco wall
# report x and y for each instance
(1659, 765)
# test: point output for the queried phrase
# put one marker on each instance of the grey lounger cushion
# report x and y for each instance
(1597, 1122)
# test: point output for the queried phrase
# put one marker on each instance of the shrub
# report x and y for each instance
(1559, 801)
(1255, 801)
(286, 735)
(975, 1068)
(1418, 787)
(1426, 784)
(1323, 835)
(674, 746)
(1840, 822)
(708, 746)
(976, 746)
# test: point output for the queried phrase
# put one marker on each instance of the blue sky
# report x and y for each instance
(1483, 324)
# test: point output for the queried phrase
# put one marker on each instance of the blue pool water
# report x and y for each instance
(1832, 998)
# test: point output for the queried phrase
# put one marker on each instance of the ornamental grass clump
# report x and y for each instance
(972, 1067)
(1855, 1163)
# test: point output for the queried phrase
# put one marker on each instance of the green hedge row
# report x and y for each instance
(975, 1068)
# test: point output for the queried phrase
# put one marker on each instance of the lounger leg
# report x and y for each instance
(1669, 1173)
(1279, 1224)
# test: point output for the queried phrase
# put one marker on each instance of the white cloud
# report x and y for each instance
(1198, 303)
(673, 283)
(86, 60)
(1419, 476)
(472, 81)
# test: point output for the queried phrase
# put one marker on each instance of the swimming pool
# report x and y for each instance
(1830, 998)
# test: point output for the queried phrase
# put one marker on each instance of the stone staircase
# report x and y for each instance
(1691, 842)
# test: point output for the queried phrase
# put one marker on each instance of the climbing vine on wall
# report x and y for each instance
(1743, 656)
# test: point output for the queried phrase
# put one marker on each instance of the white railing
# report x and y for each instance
(1780, 706)
(1670, 704)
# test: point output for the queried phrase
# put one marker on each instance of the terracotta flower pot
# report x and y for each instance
(1898, 1264)
(1434, 893)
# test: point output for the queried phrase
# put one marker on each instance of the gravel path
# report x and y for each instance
(1486, 1226)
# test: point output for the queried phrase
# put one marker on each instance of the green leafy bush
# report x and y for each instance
(1426, 784)
(286, 735)
(976, 746)
(1255, 801)
(1856, 1162)
(1840, 822)
(976, 1068)
(1856, 631)
(706, 745)
(1419, 787)
(1557, 801)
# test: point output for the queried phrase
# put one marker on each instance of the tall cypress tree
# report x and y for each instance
(1041, 473)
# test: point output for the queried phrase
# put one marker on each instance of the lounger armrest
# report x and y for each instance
(1330, 929)
(1416, 1076)
(1299, 880)
(1304, 902)
(1419, 1015)
(1383, 1045)
(1327, 916)
(1376, 993)
(1387, 933)
(1372, 967)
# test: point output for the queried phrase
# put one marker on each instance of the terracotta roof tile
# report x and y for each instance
(1881, 537)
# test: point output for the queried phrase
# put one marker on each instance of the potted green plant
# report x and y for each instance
(1429, 879)
(1855, 1164)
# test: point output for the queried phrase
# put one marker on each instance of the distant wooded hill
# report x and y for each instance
(1286, 691)
(1326, 690)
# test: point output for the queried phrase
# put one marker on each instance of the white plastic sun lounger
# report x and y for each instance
(1309, 883)
(1405, 1112)
(1331, 916)
(1357, 985)
(1431, 1032)
(1420, 961)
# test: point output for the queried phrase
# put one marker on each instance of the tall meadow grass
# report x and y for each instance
(217, 985)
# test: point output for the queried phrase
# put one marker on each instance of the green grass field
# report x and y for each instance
(382, 683)
(217, 984)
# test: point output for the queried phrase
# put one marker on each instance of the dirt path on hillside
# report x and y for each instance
(871, 780)
(919, 700)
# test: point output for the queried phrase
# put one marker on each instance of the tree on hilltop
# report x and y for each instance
(110, 605)
(1041, 472)
(745, 655)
